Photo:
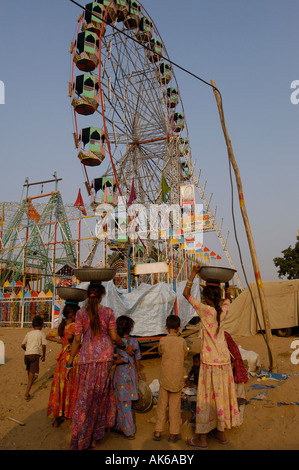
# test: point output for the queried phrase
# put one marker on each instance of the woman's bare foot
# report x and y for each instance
(199, 442)
(220, 436)
(57, 422)
(95, 445)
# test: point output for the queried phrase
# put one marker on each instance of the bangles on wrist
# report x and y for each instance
(69, 366)
(124, 347)
(189, 284)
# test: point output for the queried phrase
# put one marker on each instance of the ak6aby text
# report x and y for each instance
(150, 459)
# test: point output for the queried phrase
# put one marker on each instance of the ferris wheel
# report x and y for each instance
(134, 139)
(129, 85)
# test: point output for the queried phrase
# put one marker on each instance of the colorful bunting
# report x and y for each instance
(165, 188)
(133, 194)
(80, 204)
(32, 212)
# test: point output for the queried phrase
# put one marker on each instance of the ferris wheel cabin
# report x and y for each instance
(122, 8)
(172, 97)
(87, 100)
(93, 16)
(86, 57)
(91, 146)
(134, 17)
(178, 124)
(156, 50)
(110, 8)
(145, 30)
(184, 145)
(165, 74)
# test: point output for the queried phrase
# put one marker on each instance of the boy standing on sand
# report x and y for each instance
(173, 350)
(34, 345)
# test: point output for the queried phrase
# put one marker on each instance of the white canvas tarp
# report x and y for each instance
(282, 299)
(148, 305)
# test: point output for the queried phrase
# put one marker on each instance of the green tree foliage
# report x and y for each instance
(289, 264)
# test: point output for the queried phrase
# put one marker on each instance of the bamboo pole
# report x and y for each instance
(257, 274)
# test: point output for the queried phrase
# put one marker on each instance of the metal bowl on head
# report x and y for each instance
(216, 274)
(95, 274)
(72, 294)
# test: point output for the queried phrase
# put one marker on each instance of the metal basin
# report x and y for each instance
(72, 294)
(94, 274)
(213, 273)
(145, 400)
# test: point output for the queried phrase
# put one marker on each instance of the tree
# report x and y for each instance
(289, 264)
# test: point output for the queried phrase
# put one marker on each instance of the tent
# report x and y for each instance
(282, 298)
(148, 305)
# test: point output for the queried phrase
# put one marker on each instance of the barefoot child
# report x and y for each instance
(34, 345)
(173, 350)
(126, 376)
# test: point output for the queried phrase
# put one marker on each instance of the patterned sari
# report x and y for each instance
(61, 400)
(217, 405)
(94, 408)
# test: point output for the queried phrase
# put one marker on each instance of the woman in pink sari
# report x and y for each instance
(61, 399)
(94, 407)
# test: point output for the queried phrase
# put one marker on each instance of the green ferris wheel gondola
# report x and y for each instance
(154, 55)
(134, 17)
(91, 146)
(86, 99)
(110, 7)
(164, 73)
(172, 97)
(93, 16)
(179, 122)
(145, 30)
(122, 8)
(86, 56)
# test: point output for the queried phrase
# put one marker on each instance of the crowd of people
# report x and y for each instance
(85, 391)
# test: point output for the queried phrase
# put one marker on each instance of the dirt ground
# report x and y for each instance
(267, 424)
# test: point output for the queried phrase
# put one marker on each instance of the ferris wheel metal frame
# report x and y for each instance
(138, 122)
(143, 128)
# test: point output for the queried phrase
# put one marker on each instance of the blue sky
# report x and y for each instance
(248, 48)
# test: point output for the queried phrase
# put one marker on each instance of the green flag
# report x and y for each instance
(165, 188)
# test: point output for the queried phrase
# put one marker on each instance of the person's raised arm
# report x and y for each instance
(187, 290)
(52, 336)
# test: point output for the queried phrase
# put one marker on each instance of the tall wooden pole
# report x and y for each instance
(257, 274)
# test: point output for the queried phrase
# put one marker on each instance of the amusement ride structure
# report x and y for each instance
(132, 141)
(126, 86)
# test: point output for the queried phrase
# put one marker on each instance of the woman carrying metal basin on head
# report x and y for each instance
(216, 407)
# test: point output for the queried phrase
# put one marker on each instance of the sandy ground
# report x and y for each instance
(266, 425)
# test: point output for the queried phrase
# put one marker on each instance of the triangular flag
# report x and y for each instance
(165, 188)
(79, 203)
(2, 217)
(133, 194)
(32, 212)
